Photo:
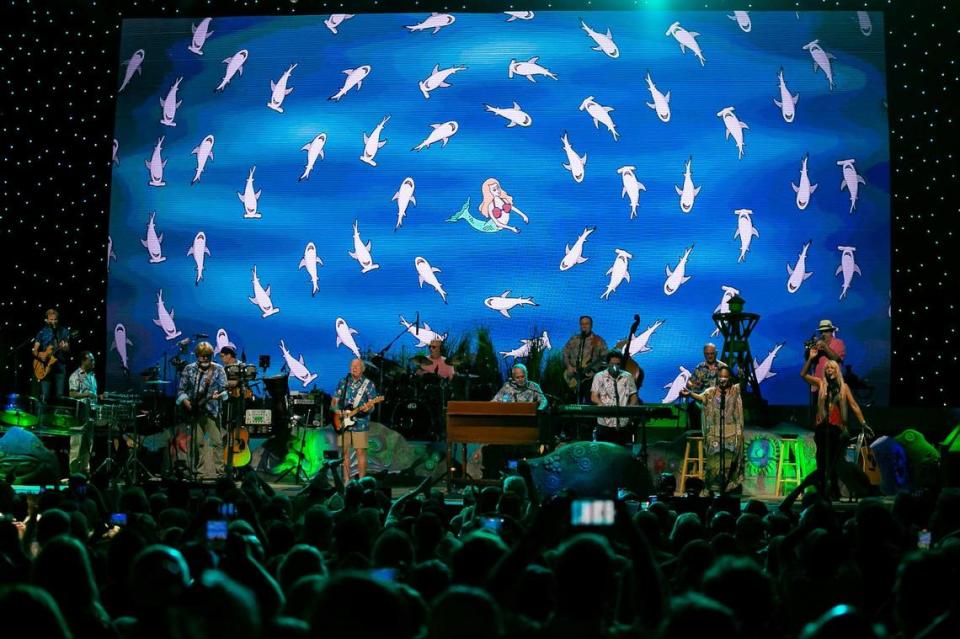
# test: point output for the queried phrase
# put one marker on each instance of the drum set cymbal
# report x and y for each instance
(421, 360)
(18, 417)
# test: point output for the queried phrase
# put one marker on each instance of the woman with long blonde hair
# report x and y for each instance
(497, 205)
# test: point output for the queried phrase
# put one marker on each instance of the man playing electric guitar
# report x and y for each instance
(50, 346)
(583, 357)
(202, 385)
(354, 391)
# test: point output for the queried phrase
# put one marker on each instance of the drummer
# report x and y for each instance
(228, 357)
(437, 363)
(83, 387)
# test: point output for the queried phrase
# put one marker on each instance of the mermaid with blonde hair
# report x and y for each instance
(496, 206)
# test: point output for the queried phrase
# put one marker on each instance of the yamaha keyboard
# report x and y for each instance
(647, 411)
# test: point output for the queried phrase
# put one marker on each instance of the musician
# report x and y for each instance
(704, 376)
(202, 385)
(228, 357)
(355, 391)
(83, 387)
(520, 389)
(613, 387)
(438, 363)
(722, 401)
(829, 349)
(52, 335)
(582, 354)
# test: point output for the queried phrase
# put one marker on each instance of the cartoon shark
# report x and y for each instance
(297, 367)
(575, 163)
(618, 272)
(116, 147)
(686, 40)
(526, 345)
(677, 277)
(689, 192)
(600, 113)
(156, 164)
(438, 79)
(503, 303)
(574, 255)
(529, 69)
(200, 35)
(762, 369)
(280, 90)
(170, 104)
(361, 251)
(373, 143)
(851, 181)
(310, 262)
(821, 60)
(848, 266)
(110, 253)
(426, 273)
(165, 320)
(234, 67)
(204, 152)
(355, 78)
(519, 15)
(153, 242)
(866, 26)
(798, 273)
(345, 336)
(805, 190)
(424, 335)
(134, 65)
(515, 115)
(745, 231)
(335, 20)
(436, 21)
(661, 102)
(223, 340)
(638, 343)
(484, 225)
(199, 251)
(120, 343)
(261, 297)
(724, 305)
(442, 132)
(404, 197)
(787, 102)
(742, 19)
(631, 187)
(250, 198)
(733, 127)
(604, 41)
(679, 383)
(314, 149)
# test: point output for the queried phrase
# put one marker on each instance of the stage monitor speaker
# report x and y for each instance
(589, 469)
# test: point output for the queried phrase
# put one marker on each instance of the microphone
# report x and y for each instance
(199, 335)
(615, 370)
(184, 341)
(416, 323)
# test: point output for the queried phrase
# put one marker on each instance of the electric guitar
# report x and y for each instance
(44, 360)
(239, 448)
(342, 420)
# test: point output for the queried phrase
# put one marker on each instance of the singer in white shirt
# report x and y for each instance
(83, 387)
(613, 387)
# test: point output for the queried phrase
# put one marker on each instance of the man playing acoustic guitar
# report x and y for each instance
(50, 346)
(354, 392)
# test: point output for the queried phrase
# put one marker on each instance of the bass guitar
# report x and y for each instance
(44, 360)
(342, 420)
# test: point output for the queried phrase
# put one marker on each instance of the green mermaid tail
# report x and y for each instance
(484, 226)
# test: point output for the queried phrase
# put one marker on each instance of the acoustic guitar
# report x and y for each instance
(44, 360)
(346, 419)
(586, 374)
(239, 448)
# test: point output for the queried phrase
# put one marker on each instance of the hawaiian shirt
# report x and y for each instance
(704, 376)
(837, 346)
(211, 382)
(603, 386)
(529, 393)
(83, 382)
(49, 336)
(594, 350)
(355, 398)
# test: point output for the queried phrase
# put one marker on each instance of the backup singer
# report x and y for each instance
(704, 376)
(83, 387)
(202, 385)
(613, 387)
(829, 349)
(354, 391)
(55, 338)
(520, 389)
(724, 400)
(582, 355)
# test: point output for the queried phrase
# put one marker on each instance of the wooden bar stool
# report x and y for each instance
(692, 466)
(789, 461)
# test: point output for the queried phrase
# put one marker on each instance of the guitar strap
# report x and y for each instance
(360, 391)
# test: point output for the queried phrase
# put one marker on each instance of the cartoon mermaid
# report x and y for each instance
(497, 205)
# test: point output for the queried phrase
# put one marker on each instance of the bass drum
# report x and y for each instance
(413, 419)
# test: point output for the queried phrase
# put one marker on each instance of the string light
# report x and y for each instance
(59, 67)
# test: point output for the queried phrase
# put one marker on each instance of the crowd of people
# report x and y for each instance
(94, 561)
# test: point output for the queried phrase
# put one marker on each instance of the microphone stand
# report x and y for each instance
(382, 353)
(580, 369)
(616, 394)
(341, 406)
(723, 469)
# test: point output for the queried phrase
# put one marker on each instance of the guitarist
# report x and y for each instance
(202, 385)
(582, 356)
(56, 340)
(354, 391)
